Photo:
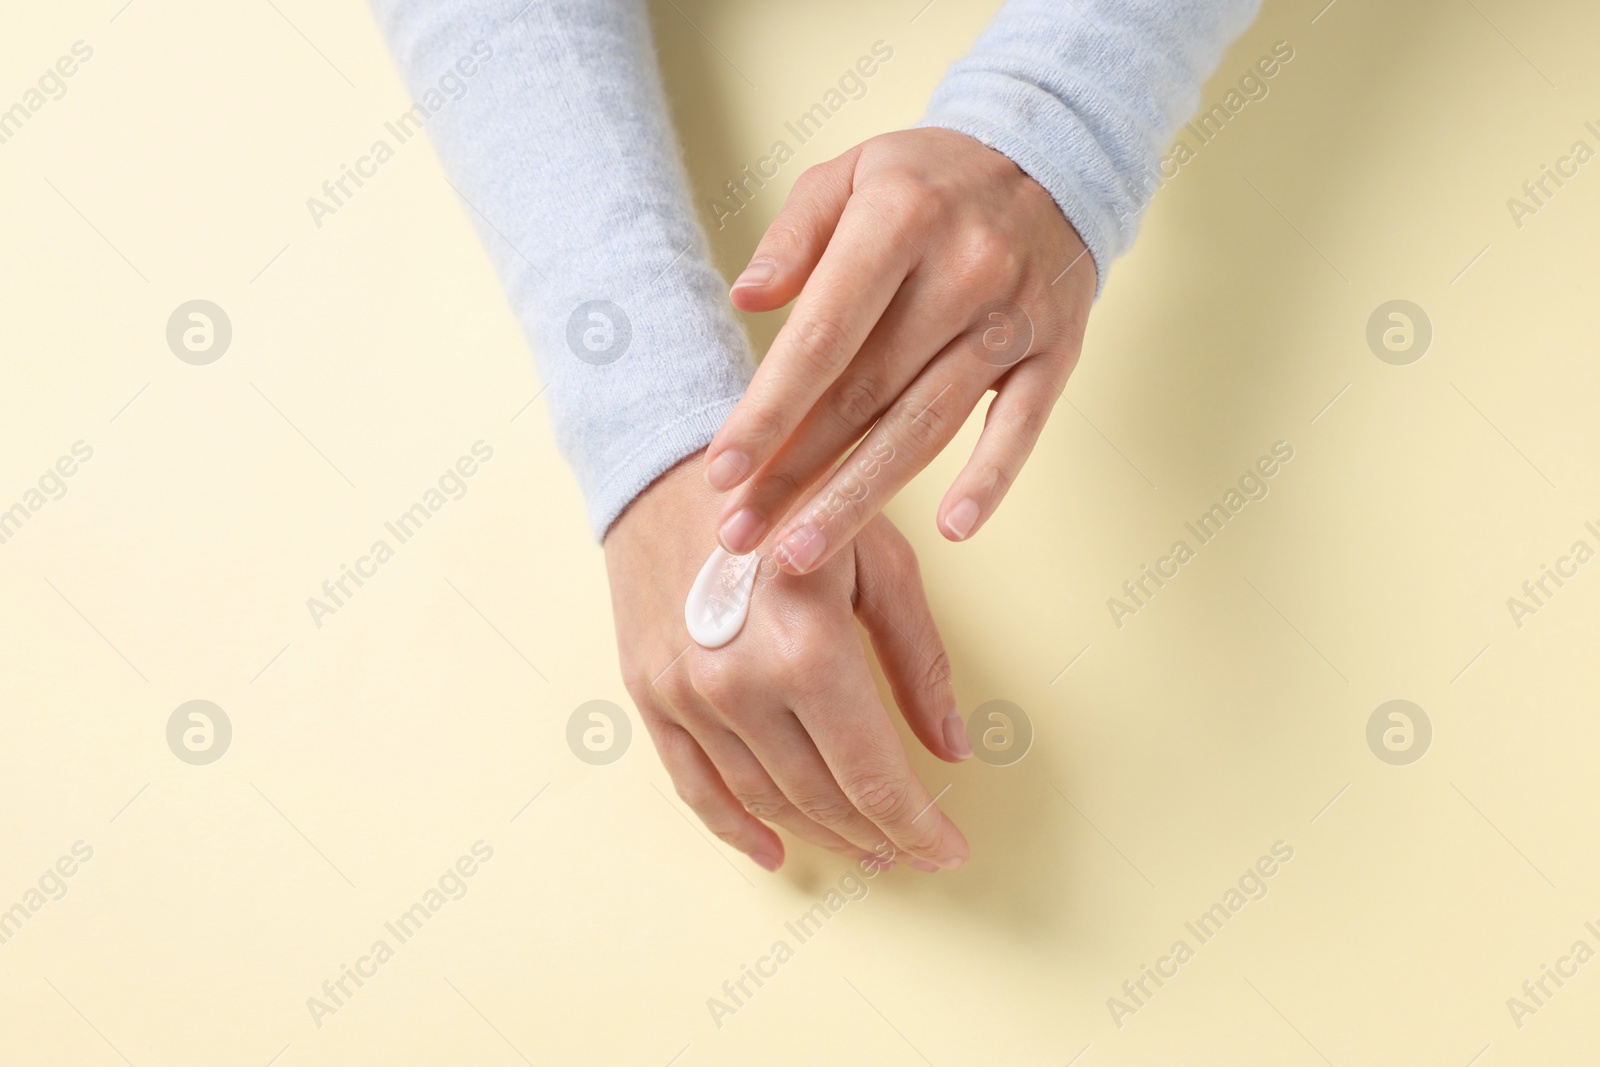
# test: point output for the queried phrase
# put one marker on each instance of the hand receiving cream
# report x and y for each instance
(719, 600)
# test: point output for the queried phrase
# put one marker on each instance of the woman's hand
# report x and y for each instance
(784, 724)
(929, 269)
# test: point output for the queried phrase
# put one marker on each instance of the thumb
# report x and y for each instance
(891, 604)
(793, 245)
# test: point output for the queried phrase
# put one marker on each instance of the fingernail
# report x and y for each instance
(955, 736)
(953, 863)
(962, 518)
(802, 548)
(727, 470)
(924, 866)
(742, 532)
(759, 272)
(767, 860)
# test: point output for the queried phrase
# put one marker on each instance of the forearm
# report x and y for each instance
(1084, 95)
(562, 149)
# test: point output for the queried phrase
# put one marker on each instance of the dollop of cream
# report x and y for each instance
(719, 600)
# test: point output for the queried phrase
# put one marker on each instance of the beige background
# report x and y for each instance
(425, 715)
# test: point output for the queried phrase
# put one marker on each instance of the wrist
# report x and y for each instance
(678, 500)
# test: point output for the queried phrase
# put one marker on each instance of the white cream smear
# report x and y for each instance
(719, 600)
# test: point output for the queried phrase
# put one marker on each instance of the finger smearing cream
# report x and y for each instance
(719, 600)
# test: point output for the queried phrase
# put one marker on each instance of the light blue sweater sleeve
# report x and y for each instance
(1084, 96)
(560, 147)
(549, 118)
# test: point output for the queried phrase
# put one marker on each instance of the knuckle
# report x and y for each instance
(913, 203)
(812, 677)
(923, 433)
(855, 487)
(780, 241)
(730, 837)
(767, 426)
(802, 672)
(820, 344)
(890, 550)
(845, 504)
(779, 484)
(878, 795)
(818, 174)
(936, 670)
(763, 803)
(994, 479)
(676, 689)
(909, 565)
(859, 400)
(762, 424)
(987, 257)
(693, 793)
(826, 809)
(898, 555)
(671, 737)
(712, 678)
(673, 743)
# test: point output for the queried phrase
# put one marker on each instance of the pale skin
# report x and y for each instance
(926, 269)
(784, 724)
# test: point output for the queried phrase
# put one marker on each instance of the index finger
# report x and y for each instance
(906, 439)
(859, 273)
